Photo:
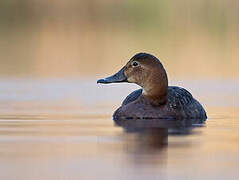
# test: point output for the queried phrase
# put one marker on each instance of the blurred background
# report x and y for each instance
(90, 38)
(56, 122)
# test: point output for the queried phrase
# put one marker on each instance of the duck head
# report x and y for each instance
(146, 71)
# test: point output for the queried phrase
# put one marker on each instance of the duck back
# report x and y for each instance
(180, 105)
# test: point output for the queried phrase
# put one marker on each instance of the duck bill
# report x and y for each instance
(116, 78)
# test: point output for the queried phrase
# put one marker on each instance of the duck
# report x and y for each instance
(155, 99)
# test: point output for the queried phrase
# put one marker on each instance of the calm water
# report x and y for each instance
(62, 129)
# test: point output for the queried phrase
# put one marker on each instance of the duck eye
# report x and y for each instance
(135, 64)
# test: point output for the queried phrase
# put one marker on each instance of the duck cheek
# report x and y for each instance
(129, 73)
(131, 79)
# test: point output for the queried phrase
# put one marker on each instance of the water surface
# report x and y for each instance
(62, 129)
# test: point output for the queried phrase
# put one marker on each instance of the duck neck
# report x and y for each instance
(155, 90)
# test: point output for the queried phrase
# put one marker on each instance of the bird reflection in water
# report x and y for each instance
(146, 140)
(152, 134)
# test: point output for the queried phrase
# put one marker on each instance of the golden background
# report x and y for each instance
(73, 38)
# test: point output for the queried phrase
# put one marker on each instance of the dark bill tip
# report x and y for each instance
(102, 81)
(116, 78)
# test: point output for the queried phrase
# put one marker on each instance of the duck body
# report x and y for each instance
(156, 100)
(180, 105)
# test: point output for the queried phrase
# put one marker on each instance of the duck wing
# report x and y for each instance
(132, 96)
(179, 97)
(182, 103)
